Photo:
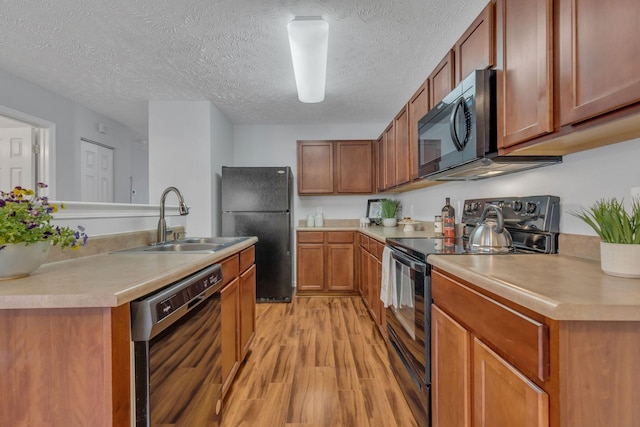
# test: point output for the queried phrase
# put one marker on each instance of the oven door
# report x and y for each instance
(407, 318)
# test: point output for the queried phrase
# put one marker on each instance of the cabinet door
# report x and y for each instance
(380, 160)
(599, 57)
(340, 266)
(389, 158)
(230, 312)
(354, 167)
(310, 267)
(374, 288)
(315, 167)
(503, 397)
(382, 317)
(524, 70)
(475, 50)
(363, 285)
(418, 107)
(247, 309)
(401, 137)
(442, 79)
(450, 362)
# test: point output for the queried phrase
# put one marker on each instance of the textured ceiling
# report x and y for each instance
(114, 56)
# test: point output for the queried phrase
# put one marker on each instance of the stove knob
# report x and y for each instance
(517, 206)
(476, 206)
(531, 207)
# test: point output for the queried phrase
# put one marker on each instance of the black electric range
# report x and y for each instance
(533, 222)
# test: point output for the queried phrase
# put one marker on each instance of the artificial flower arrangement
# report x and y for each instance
(26, 217)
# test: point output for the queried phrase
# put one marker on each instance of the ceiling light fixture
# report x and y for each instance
(309, 40)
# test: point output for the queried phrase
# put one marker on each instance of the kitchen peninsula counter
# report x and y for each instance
(105, 280)
(555, 286)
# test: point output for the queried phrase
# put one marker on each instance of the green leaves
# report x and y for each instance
(25, 217)
(612, 222)
(389, 207)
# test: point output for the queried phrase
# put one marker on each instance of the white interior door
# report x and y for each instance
(17, 160)
(96, 170)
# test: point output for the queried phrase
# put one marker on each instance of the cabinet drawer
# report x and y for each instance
(379, 247)
(340, 237)
(364, 241)
(247, 258)
(310, 237)
(230, 268)
(521, 340)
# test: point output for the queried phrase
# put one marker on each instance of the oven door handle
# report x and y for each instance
(412, 264)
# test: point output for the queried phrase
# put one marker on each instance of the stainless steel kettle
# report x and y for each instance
(490, 236)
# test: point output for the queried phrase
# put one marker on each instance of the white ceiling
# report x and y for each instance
(114, 56)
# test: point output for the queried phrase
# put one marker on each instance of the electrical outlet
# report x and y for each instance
(635, 193)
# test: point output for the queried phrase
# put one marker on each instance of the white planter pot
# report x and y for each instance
(19, 259)
(620, 260)
(389, 222)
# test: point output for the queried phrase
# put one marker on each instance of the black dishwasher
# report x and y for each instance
(177, 352)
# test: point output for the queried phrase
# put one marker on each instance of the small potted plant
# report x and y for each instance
(389, 208)
(619, 233)
(26, 232)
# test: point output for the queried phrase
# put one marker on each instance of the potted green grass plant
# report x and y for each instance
(389, 208)
(619, 232)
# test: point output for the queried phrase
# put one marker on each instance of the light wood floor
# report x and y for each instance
(317, 362)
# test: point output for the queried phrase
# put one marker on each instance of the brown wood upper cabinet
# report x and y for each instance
(418, 106)
(442, 78)
(599, 57)
(524, 70)
(335, 167)
(380, 161)
(476, 49)
(389, 165)
(401, 139)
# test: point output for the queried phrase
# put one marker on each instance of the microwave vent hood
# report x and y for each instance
(489, 167)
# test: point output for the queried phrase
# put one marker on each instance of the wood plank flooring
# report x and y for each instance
(317, 362)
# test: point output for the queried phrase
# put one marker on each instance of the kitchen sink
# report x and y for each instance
(189, 245)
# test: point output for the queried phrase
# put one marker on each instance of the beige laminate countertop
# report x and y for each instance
(106, 280)
(377, 232)
(556, 286)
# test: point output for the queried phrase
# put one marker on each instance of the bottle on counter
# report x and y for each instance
(437, 226)
(319, 219)
(448, 219)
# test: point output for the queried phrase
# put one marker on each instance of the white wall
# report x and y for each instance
(72, 121)
(580, 180)
(184, 139)
(275, 145)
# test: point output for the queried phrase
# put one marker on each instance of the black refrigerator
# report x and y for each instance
(256, 201)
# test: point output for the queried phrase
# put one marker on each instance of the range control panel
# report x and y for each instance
(532, 213)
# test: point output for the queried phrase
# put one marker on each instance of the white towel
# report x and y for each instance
(406, 288)
(388, 280)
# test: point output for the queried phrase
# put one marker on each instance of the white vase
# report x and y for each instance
(20, 260)
(389, 222)
(621, 260)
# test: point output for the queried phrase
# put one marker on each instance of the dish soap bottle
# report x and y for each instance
(448, 219)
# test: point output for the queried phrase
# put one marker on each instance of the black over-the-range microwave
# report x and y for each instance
(457, 137)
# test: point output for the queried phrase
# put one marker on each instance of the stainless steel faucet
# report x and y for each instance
(162, 224)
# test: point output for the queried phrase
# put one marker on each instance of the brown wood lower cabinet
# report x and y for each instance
(497, 364)
(333, 249)
(238, 302)
(370, 272)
